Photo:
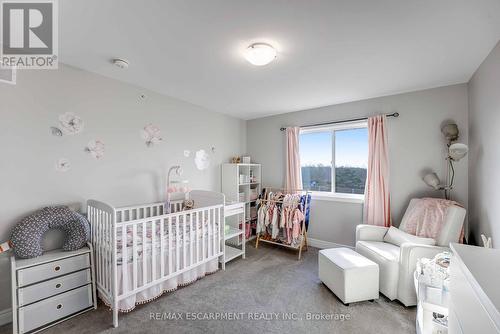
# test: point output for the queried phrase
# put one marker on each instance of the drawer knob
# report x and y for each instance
(59, 306)
(57, 268)
(58, 285)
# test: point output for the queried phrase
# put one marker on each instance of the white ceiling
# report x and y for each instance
(329, 51)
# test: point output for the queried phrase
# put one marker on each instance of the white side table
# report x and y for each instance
(51, 288)
(431, 301)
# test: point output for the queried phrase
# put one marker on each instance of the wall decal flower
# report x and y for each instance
(56, 131)
(151, 134)
(202, 160)
(63, 165)
(70, 123)
(187, 153)
(95, 148)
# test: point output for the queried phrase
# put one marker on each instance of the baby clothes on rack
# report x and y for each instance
(280, 212)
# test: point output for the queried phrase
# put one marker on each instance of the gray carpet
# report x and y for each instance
(269, 280)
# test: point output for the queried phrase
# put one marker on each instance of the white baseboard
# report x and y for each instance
(324, 244)
(5, 316)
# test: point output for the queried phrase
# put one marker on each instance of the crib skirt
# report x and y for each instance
(147, 295)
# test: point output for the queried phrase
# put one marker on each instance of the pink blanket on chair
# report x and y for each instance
(427, 217)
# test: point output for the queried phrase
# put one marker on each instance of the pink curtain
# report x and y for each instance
(377, 207)
(293, 172)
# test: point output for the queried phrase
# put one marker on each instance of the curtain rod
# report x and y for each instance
(396, 114)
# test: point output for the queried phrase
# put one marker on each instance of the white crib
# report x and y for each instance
(142, 251)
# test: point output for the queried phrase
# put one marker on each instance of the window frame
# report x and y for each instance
(333, 195)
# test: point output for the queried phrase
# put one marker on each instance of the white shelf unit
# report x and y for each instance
(242, 183)
(234, 232)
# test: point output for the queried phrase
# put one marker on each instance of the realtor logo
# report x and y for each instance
(29, 34)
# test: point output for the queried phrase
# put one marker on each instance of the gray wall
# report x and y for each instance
(129, 172)
(484, 157)
(415, 144)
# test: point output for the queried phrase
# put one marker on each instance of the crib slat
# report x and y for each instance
(170, 246)
(203, 250)
(212, 232)
(101, 257)
(192, 239)
(184, 241)
(144, 254)
(124, 260)
(104, 254)
(153, 250)
(105, 244)
(197, 237)
(177, 244)
(162, 248)
(107, 235)
(98, 246)
(219, 223)
(221, 231)
(209, 226)
(134, 255)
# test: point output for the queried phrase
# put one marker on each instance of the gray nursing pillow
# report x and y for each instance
(27, 235)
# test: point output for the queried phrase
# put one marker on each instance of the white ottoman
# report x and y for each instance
(351, 276)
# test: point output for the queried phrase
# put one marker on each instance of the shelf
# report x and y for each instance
(279, 243)
(249, 183)
(231, 253)
(232, 232)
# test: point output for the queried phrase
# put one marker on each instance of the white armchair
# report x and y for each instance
(397, 263)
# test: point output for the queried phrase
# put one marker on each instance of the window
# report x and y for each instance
(334, 159)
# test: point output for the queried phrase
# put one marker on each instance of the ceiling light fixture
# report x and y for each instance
(121, 63)
(260, 54)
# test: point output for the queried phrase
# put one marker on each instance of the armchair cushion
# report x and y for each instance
(387, 257)
(397, 237)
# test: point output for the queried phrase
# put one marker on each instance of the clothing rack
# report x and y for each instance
(303, 232)
(396, 114)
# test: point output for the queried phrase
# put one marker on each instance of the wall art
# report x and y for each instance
(95, 148)
(55, 131)
(202, 160)
(63, 165)
(151, 134)
(70, 124)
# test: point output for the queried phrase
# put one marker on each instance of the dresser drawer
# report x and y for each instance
(54, 308)
(36, 292)
(53, 269)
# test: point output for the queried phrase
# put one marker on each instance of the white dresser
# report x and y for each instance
(474, 290)
(51, 288)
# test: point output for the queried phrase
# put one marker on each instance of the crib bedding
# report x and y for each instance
(173, 246)
(200, 231)
(182, 226)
